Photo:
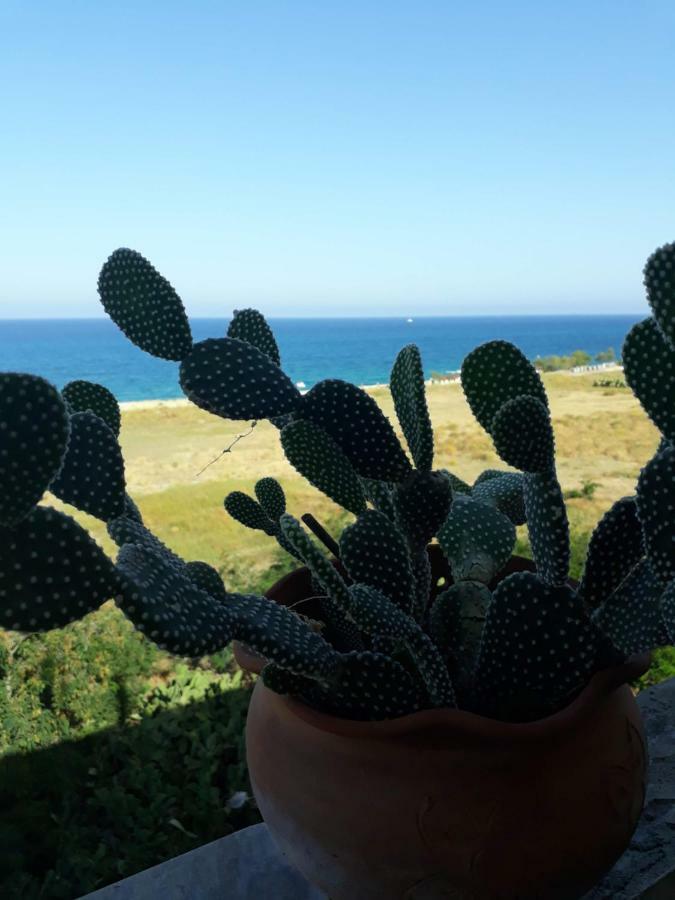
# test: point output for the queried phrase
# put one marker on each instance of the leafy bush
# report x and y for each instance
(85, 813)
(72, 681)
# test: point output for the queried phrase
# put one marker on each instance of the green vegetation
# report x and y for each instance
(576, 358)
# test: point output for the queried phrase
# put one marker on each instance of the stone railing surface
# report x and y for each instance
(247, 865)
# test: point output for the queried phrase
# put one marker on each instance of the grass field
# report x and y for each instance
(602, 436)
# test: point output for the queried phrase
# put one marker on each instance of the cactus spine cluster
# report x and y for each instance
(512, 646)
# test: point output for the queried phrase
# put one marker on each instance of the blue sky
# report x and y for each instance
(324, 158)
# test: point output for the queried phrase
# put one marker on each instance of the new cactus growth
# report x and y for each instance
(387, 641)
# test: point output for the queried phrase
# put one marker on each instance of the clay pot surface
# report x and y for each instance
(446, 803)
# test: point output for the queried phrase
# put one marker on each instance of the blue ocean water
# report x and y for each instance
(357, 350)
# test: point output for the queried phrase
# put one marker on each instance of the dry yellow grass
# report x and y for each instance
(602, 436)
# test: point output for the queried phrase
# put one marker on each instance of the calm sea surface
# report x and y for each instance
(358, 350)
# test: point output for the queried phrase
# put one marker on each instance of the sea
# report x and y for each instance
(360, 350)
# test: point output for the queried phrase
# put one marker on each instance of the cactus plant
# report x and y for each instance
(386, 641)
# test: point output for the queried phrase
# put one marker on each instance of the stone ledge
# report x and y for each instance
(247, 865)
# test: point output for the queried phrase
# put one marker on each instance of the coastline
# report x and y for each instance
(170, 402)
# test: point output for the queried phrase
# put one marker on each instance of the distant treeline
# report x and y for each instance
(574, 360)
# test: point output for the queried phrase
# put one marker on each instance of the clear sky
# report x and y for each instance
(315, 158)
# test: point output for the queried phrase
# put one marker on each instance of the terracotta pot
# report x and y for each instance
(445, 803)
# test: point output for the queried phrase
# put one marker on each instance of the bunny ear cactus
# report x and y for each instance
(615, 547)
(477, 539)
(250, 326)
(87, 396)
(92, 472)
(359, 428)
(206, 578)
(51, 572)
(374, 552)
(537, 650)
(508, 398)
(409, 395)
(271, 497)
(233, 379)
(504, 491)
(34, 430)
(314, 454)
(144, 306)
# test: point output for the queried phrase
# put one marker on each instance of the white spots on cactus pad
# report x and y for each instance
(495, 372)
(409, 395)
(34, 430)
(358, 426)
(547, 526)
(477, 539)
(649, 367)
(144, 305)
(659, 279)
(92, 474)
(656, 508)
(374, 552)
(314, 453)
(249, 325)
(615, 547)
(235, 380)
(83, 396)
(51, 572)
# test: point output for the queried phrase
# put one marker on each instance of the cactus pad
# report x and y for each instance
(281, 636)
(547, 526)
(167, 607)
(359, 427)
(372, 686)
(457, 484)
(131, 510)
(497, 372)
(659, 277)
(249, 325)
(655, 500)
(206, 578)
(92, 474)
(422, 504)
(34, 428)
(477, 539)
(316, 456)
(614, 549)
(51, 572)
(375, 614)
(144, 306)
(649, 367)
(523, 436)
(456, 622)
(271, 497)
(381, 495)
(374, 552)
(631, 617)
(410, 402)
(127, 531)
(538, 649)
(320, 567)
(87, 396)
(235, 380)
(505, 492)
(249, 513)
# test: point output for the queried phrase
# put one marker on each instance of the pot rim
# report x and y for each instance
(457, 723)
(464, 725)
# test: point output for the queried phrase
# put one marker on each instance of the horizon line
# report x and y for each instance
(403, 318)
